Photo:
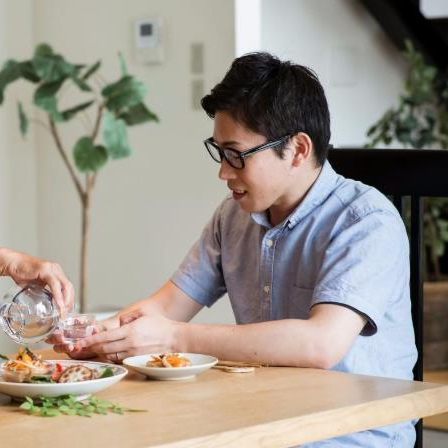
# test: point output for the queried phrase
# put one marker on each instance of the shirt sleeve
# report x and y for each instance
(366, 267)
(200, 274)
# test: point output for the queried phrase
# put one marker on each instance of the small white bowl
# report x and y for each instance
(199, 363)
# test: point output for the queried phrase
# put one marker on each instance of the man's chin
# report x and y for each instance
(251, 208)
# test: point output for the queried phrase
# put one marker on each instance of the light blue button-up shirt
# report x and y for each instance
(344, 244)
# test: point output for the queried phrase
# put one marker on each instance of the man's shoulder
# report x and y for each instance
(360, 200)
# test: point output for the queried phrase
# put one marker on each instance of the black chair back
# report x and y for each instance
(400, 173)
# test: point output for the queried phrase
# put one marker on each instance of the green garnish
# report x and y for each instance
(41, 379)
(4, 357)
(107, 372)
(69, 405)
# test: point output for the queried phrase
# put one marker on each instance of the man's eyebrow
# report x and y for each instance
(227, 142)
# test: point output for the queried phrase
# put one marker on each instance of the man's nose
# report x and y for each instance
(226, 171)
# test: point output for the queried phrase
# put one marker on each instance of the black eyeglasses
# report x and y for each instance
(235, 158)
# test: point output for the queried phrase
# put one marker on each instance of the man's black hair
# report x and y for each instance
(273, 98)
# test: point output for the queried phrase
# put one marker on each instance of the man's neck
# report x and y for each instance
(279, 212)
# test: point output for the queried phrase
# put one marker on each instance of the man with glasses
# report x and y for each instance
(315, 265)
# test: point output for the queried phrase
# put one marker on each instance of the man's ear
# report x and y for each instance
(302, 147)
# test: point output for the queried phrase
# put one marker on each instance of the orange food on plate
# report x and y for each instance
(25, 366)
(168, 360)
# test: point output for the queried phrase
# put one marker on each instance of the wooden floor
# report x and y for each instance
(437, 421)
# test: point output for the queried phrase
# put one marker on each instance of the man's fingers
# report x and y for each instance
(103, 336)
(110, 348)
(129, 317)
(63, 348)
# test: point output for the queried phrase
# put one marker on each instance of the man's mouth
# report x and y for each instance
(238, 193)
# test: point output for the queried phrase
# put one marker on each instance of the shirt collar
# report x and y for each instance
(318, 193)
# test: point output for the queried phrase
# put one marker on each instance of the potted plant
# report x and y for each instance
(116, 106)
(420, 120)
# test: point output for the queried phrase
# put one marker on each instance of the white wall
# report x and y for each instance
(247, 26)
(360, 69)
(18, 213)
(148, 209)
(17, 155)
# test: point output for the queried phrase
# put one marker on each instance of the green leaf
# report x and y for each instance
(10, 72)
(4, 357)
(53, 67)
(70, 113)
(41, 379)
(69, 405)
(107, 372)
(50, 412)
(45, 98)
(91, 70)
(28, 72)
(89, 157)
(23, 119)
(126, 92)
(43, 50)
(82, 85)
(115, 136)
(26, 405)
(138, 114)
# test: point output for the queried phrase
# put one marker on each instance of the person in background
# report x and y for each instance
(24, 268)
(316, 266)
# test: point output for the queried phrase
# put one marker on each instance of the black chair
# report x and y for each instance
(400, 173)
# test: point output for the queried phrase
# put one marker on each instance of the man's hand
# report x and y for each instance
(23, 268)
(139, 333)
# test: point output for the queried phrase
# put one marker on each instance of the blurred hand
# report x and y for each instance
(138, 333)
(23, 268)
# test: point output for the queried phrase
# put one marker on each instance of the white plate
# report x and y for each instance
(81, 389)
(199, 363)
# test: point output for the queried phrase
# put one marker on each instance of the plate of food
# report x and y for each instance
(170, 366)
(27, 375)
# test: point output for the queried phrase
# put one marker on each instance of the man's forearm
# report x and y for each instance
(169, 301)
(291, 342)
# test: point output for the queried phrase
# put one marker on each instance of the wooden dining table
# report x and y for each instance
(269, 407)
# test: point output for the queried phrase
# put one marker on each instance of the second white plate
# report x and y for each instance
(199, 363)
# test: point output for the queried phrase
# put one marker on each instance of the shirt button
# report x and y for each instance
(266, 289)
(269, 243)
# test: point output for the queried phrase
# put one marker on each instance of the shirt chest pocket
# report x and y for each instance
(299, 302)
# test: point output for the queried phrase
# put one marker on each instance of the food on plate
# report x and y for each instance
(25, 366)
(168, 360)
(28, 367)
(76, 373)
